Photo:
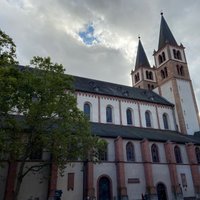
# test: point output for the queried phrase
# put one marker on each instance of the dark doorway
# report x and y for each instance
(104, 189)
(161, 192)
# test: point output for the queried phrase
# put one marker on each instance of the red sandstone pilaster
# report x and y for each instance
(169, 151)
(147, 166)
(11, 177)
(53, 180)
(119, 157)
(90, 178)
(193, 166)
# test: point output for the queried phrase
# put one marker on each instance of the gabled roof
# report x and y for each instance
(141, 59)
(138, 133)
(116, 90)
(166, 36)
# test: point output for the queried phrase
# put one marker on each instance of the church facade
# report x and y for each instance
(152, 130)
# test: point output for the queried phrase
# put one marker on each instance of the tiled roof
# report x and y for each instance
(166, 36)
(138, 133)
(116, 90)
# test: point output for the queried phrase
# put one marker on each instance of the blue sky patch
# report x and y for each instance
(88, 35)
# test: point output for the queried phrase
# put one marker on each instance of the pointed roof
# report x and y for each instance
(166, 35)
(141, 59)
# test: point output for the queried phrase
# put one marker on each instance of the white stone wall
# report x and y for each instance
(161, 175)
(135, 113)
(77, 193)
(124, 104)
(152, 109)
(135, 190)
(110, 149)
(169, 112)
(104, 102)
(189, 190)
(168, 93)
(108, 170)
(93, 100)
(35, 185)
(187, 103)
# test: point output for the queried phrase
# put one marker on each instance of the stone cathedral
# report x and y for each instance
(152, 129)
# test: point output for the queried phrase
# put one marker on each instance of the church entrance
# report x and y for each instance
(161, 192)
(104, 189)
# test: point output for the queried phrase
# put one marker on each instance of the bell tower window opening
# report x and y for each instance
(180, 70)
(149, 75)
(161, 58)
(177, 54)
(137, 77)
(164, 73)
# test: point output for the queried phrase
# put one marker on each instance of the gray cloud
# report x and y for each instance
(50, 28)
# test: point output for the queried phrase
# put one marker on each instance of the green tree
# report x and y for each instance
(38, 110)
(7, 50)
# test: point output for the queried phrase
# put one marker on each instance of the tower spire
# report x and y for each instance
(166, 36)
(141, 59)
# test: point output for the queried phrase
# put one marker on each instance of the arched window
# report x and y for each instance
(148, 119)
(129, 116)
(197, 151)
(181, 71)
(154, 153)
(177, 153)
(87, 110)
(174, 52)
(162, 74)
(130, 155)
(109, 117)
(165, 121)
(147, 74)
(151, 75)
(160, 59)
(178, 69)
(166, 73)
(163, 56)
(178, 54)
(136, 78)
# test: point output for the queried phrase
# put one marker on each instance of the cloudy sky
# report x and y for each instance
(98, 38)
